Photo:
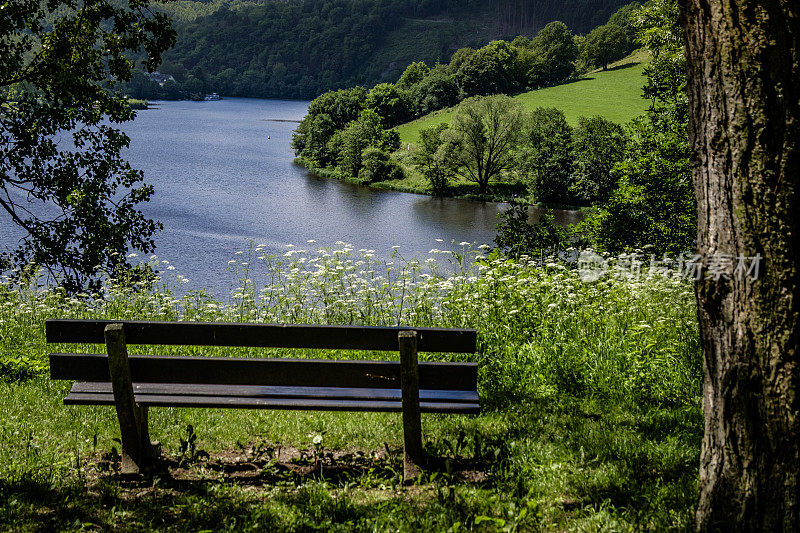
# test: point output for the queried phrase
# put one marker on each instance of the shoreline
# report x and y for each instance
(459, 191)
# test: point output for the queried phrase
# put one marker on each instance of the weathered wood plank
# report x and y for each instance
(280, 372)
(263, 335)
(301, 404)
(413, 454)
(255, 391)
(122, 392)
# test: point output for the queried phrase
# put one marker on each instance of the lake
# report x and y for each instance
(224, 177)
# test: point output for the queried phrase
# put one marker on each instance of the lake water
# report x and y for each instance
(223, 177)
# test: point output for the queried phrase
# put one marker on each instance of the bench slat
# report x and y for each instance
(252, 391)
(262, 335)
(278, 372)
(301, 404)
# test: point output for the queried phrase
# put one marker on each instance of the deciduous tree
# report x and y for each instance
(744, 130)
(597, 145)
(545, 158)
(487, 132)
(63, 180)
(435, 157)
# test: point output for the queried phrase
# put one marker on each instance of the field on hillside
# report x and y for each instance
(615, 94)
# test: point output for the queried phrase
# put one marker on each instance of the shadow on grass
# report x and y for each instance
(565, 459)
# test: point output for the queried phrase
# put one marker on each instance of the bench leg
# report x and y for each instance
(131, 417)
(413, 453)
(150, 449)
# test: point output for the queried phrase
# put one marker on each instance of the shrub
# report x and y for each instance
(378, 165)
(545, 158)
(597, 145)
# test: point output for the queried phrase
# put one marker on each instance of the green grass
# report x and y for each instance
(591, 414)
(614, 94)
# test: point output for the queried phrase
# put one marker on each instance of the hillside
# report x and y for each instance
(614, 94)
(301, 49)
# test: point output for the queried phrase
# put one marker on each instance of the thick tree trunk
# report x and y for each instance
(744, 104)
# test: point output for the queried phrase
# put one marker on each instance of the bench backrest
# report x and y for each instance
(262, 335)
(268, 372)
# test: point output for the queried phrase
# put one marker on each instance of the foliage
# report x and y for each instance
(347, 146)
(660, 33)
(490, 70)
(302, 49)
(556, 52)
(597, 146)
(486, 131)
(62, 178)
(624, 18)
(606, 44)
(517, 237)
(435, 91)
(435, 158)
(327, 113)
(391, 103)
(377, 165)
(545, 157)
(413, 74)
(655, 203)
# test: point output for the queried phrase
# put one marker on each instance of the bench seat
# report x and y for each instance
(276, 397)
(133, 383)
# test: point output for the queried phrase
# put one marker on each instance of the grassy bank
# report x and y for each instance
(415, 183)
(615, 94)
(591, 416)
(137, 104)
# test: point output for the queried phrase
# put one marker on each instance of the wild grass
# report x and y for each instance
(590, 391)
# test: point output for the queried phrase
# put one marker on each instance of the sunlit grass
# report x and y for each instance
(615, 94)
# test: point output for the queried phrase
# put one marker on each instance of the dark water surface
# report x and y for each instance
(223, 176)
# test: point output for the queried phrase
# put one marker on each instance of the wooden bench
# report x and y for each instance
(134, 383)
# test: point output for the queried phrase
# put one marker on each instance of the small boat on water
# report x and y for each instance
(211, 97)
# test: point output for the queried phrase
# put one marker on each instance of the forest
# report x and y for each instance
(302, 49)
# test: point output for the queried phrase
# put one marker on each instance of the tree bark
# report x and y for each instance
(744, 105)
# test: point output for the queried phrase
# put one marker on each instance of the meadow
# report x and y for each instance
(615, 94)
(590, 396)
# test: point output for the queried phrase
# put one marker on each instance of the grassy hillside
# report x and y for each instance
(614, 94)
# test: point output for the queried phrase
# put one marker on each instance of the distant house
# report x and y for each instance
(160, 78)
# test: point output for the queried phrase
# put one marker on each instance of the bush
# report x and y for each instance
(597, 146)
(517, 237)
(545, 156)
(378, 165)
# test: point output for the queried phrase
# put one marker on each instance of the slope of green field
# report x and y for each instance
(615, 94)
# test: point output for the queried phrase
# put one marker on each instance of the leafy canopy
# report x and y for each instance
(655, 203)
(486, 131)
(62, 179)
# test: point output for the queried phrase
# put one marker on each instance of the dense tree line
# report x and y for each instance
(639, 177)
(327, 135)
(493, 139)
(302, 49)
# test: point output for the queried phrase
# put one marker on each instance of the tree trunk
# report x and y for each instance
(744, 105)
